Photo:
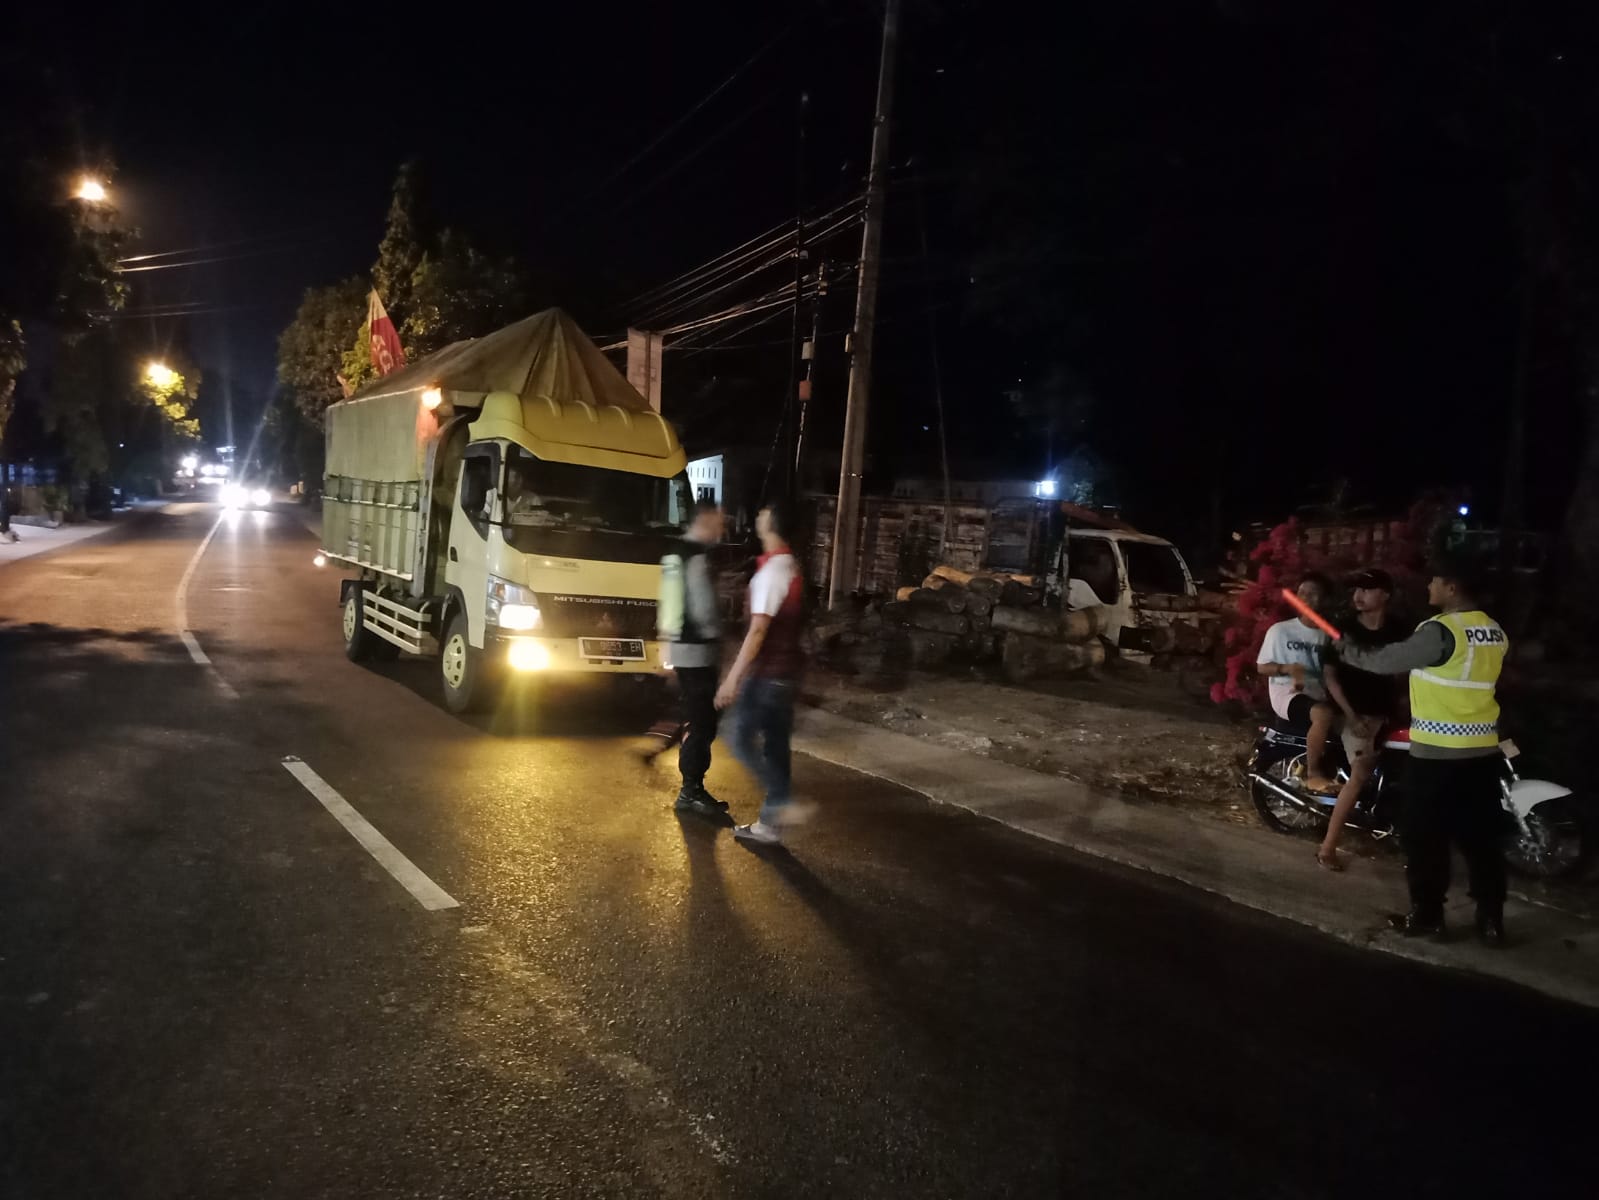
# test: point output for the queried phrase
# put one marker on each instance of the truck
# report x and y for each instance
(505, 504)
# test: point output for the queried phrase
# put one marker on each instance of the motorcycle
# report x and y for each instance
(1548, 836)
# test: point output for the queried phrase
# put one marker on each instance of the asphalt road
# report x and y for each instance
(208, 988)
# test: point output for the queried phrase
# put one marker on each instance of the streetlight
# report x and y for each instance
(91, 191)
(160, 374)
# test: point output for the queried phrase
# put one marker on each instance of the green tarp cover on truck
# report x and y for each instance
(381, 432)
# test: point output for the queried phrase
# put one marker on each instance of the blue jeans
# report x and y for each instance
(762, 722)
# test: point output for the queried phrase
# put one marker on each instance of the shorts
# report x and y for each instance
(1355, 744)
(1299, 706)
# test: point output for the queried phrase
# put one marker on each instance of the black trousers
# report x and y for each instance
(696, 693)
(1453, 799)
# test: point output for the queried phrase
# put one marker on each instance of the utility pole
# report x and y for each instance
(846, 520)
(808, 356)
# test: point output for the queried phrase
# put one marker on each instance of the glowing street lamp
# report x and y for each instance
(91, 191)
(160, 374)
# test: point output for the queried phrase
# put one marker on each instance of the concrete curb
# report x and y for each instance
(1552, 951)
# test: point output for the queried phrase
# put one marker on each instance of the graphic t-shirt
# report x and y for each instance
(1289, 642)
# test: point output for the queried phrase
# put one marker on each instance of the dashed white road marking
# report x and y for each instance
(409, 876)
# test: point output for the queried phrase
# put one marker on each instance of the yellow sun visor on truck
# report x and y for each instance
(589, 435)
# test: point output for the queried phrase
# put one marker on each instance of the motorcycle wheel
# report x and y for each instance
(1278, 813)
(1555, 845)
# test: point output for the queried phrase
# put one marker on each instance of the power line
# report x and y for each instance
(770, 238)
(717, 283)
(200, 262)
(634, 194)
(681, 121)
(227, 245)
(775, 236)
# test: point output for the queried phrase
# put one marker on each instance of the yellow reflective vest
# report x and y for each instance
(1453, 704)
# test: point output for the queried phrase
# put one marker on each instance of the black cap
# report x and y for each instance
(1371, 577)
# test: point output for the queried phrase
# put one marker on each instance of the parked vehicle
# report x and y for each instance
(1550, 835)
(505, 503)
(1143, 584)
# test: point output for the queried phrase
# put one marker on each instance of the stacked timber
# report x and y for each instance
(956, 616)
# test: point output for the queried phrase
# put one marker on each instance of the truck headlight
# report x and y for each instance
(512, 606)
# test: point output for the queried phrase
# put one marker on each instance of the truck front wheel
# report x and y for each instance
(462, 669)
(360, 643)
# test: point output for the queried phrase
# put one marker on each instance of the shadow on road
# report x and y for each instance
(16, 636)
(602, 707)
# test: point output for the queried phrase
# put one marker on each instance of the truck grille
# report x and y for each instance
(597, 617)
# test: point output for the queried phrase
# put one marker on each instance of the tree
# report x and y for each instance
(311, 350)
(401, 251)
(458, 293)
(172, 391)
(60, 254)
(437, 288)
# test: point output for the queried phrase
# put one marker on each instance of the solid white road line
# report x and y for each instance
(189, 644)
(187, 638)
(423, 890)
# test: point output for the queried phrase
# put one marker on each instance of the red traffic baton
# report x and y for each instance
(1311, 615)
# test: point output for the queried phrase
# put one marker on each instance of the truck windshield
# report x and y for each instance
(566, 497)
(1152, 567)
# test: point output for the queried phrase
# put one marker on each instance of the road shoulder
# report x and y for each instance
(41, 539)
(1554, 952)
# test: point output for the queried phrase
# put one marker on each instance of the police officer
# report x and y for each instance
(1453, 778)
(689, 622)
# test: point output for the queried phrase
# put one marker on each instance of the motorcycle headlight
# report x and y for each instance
(512, 606)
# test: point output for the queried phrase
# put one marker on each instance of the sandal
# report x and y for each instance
(1328, 862)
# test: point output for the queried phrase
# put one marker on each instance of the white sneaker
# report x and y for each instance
(760, 832)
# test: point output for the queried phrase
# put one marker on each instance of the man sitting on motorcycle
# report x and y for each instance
(1291, 660)
(1367, 701)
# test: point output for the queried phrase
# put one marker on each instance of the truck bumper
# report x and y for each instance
(530, 654)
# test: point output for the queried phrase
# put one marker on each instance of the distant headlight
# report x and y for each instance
(233, 496)
(261, 497)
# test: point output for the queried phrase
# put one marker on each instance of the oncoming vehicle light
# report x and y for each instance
(261, 497)
(233, 496)
(525, 654)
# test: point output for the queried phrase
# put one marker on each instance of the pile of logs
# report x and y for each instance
(990, 617)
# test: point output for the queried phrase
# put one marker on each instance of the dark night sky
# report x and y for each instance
(1257, 238)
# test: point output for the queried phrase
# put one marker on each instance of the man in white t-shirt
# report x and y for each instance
(1291, 660)
(765, 677)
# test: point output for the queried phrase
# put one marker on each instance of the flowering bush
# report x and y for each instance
(1283, 559)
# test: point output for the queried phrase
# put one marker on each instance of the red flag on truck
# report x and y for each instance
(387, 354)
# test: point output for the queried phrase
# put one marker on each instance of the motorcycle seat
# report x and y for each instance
(1285, 728)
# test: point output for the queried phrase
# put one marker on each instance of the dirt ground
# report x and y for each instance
(1125, 728)
(1129, 729)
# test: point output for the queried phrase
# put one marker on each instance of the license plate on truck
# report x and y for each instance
(626, 648)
